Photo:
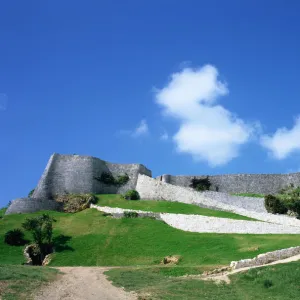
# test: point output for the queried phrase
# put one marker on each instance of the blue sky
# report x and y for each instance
(184, 87)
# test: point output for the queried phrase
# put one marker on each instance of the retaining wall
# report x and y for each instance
(265, 258)
(240, 183)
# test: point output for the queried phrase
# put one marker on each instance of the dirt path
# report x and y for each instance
(78, 283)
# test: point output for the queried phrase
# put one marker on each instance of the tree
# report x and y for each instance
(41, 228)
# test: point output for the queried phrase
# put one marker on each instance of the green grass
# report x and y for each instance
(2, 212)
(113, 200)
(18, 282)
(249, 195)
(249, 285)
(88, 238)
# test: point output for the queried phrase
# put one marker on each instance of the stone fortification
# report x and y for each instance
(240, 183)
(154, 189)
(76, 174)
(30, 205)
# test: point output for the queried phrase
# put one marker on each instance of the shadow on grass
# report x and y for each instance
(60, 243)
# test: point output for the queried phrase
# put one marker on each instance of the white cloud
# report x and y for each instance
(207, 130)
(142, 129)
(164, 136)
(284, 141)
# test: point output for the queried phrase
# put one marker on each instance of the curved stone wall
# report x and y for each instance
(76, 174)
(240, 183)
(30, 205)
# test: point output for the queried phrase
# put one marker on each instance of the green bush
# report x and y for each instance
(274, 205)
(31, 193)
(268, 283)
(130, 214)
(200, 184)
(14, 237)
(122, 179)
(108, 178)
(132, 195)
(295, 207)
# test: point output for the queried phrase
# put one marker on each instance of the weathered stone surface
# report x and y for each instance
(76, 174)
(30, 205)
(265, 258)
(240, 183)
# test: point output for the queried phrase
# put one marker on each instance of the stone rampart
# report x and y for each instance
(240, 183)
(153, 189)
(76, 174)
(30, 205)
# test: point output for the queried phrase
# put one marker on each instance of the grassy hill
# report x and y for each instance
(280, 282)
(165, 207)
(88, 238)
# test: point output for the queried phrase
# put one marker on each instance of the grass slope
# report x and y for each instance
(18, 282)
(113, 200)
(88, 238)
(250, 285)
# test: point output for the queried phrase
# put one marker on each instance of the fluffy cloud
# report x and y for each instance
(142, 129)
(283, 142)
(207, 130)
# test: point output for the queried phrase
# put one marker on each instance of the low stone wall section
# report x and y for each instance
(119, 212)
(153, 189)
(240, 183)
(265, 258)
(204, 224)
(30, 205)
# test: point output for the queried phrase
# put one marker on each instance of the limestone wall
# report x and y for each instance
(154, 189)
(76, 174)
(30, 205)
(265, 258)
(240, 183)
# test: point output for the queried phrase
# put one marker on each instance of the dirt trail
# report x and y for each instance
(78, 283)
(224, 276)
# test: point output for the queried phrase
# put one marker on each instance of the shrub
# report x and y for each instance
(268, 283)
(75, 202)
(108, 178)
(132, 195)
(14, 237)
(295, 207)
(130, 214)
(31, 193)
(200, 184)
(274, 205)
(122, 179)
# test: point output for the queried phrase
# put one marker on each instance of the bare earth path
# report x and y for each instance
(78, 283)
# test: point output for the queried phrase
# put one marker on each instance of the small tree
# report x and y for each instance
(31, 193)
(41, 229)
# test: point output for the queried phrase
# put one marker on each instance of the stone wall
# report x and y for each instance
(76, 174)
(240, 183)
(153, 189)
(265, 258)
(30, 205)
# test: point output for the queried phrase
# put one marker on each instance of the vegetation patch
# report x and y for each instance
(130, 214)
(109, 179)
(19, 282)
(200, 184)
(113, 200)
(280, 282)
(132, 195)
(75, 202)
